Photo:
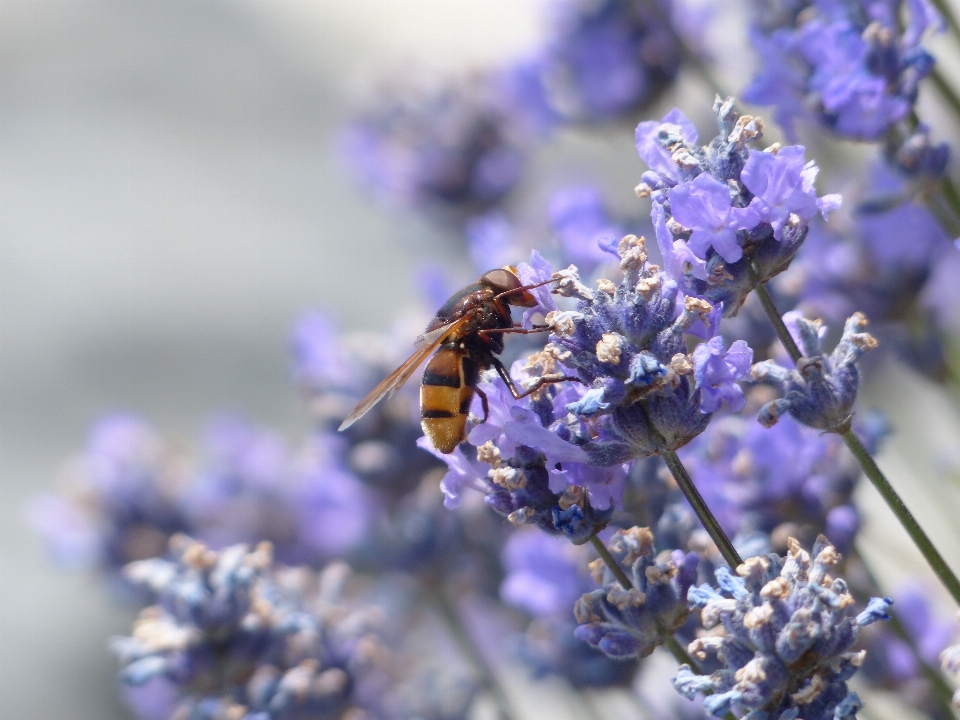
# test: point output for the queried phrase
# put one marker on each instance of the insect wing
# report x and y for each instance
(427, 342)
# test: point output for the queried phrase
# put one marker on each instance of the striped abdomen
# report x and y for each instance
(445, 396)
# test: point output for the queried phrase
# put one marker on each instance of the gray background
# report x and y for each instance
(169, 202)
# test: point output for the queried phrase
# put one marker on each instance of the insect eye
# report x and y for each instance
(502, 279)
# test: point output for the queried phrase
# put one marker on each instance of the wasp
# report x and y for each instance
(467, 334)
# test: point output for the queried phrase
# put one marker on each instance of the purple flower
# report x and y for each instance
(462, 472)
(703, 207)
(653, 151)
(122, 501)
(788, 479)
(583, 226)
(535, 272)
(782, 185)
(716, 371)
(625, 342)
(448, 144)
(633, 622)
(789, 627)
(544, 576)
(606, 58)
(726, 217)
(230, 632)
(850, 67)
(820, 393)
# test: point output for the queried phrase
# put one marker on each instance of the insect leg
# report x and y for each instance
(517, 329)
(541, 381)
(483, 402)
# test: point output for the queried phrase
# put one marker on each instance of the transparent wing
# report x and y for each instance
(427, 343)
(435, 336)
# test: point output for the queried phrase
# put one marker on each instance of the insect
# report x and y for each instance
(467, 334)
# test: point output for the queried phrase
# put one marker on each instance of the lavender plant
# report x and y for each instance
(650, 464)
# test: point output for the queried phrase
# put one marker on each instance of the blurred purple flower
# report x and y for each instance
(543, 575)
(717, 370)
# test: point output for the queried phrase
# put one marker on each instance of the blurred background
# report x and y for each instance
(170, 200)
(168, 203)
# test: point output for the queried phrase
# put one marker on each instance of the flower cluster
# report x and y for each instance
(232, 634)
(787, 480)
(784, 632)
(632, 622)
(645, 394)
(544, 577)
(849, 66)
(131, 493)
(448, 143)
(889, 257)
(121, 501)
(603, 59)
(821, 390)
(726, 218)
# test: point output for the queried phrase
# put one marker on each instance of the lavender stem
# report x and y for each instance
(870, 468)
(696, 501)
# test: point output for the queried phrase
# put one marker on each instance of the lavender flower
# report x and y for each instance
(786, 628)
(894, 663)
(446, 143)
(545, 576)
(588, 235)
(726, 218)
(520, 490)
(785, 481)
(847, 66)
(253, 488)
(604, 59)
(645, 394)
(122, 500)
(232, 631)
(630, 623)
(820, 393)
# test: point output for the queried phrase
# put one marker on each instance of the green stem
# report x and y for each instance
(868, 465)
(448, 612)
(679, 654)
(696, 501)
(943, 6)
(919, 537)
(952, 196)
(946, 90)
(786, 339)
(611, 563)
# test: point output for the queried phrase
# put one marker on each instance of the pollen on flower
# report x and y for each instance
(509, 478)
(605, 286)
(632, 251)
(563, 322)
(569, 285)
(521, 516)
(608, 348)
(758, 617)
(489, 453)
(808, 694)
